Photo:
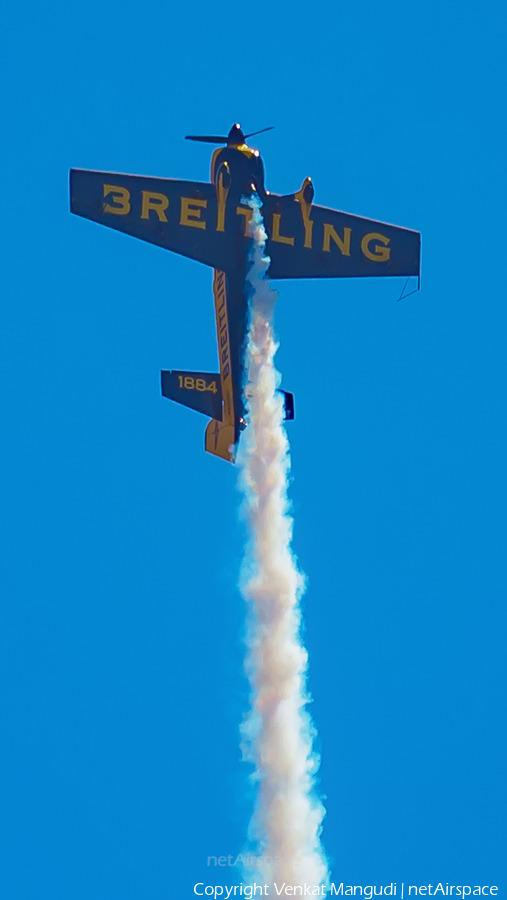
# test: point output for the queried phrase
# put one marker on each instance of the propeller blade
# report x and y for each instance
(206, 138)
(262, 130)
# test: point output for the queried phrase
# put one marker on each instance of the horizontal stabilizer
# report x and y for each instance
(288, 404)
(201, 391)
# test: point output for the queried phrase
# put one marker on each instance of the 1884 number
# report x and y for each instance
(189, 383)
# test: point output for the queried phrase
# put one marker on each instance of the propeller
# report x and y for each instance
(261, 131)
(235, 136)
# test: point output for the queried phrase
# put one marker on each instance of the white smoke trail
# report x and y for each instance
(278, 731)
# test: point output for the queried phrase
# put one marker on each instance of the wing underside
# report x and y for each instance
(172, 214)
(304, 240)
(310, 241)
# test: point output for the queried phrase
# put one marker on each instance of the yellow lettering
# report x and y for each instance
(342, 244)
(378, 254)
(191, 212)
(308, 223)
(275, 234)
(157, 202)
(121, 197)
(247, 213)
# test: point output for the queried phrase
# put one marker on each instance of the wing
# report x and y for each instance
(308, 241)
(177, 215)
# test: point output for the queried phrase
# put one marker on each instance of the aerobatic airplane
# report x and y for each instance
(208, 222)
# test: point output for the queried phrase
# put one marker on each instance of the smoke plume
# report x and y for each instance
(277, 733)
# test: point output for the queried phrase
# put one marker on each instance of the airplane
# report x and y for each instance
(209, 222)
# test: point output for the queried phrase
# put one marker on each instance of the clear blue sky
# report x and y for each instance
(121, 650)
